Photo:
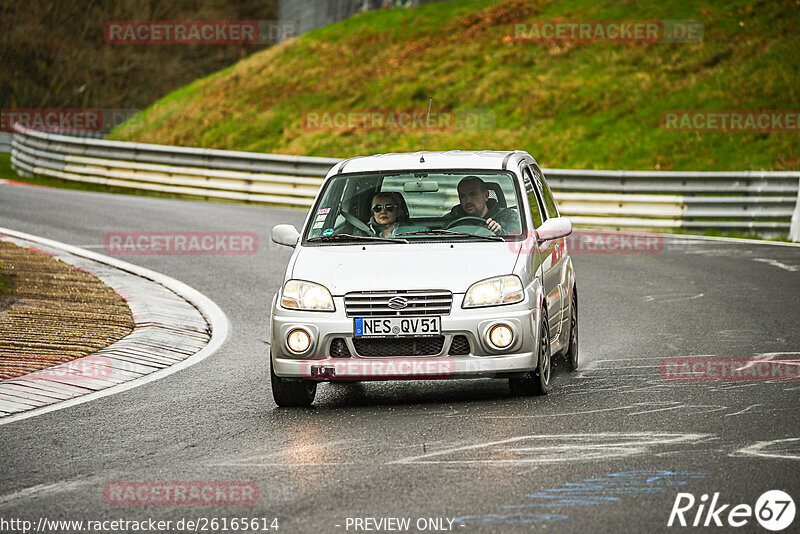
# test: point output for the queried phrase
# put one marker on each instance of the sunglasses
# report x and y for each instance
(378, 207)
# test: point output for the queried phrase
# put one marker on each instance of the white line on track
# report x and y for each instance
(743, 411)
(623, 367)
(665, 298)
(43, 489)
(779, 448)
(690, 237)
(657, 407)
(776, 263)
(537, 416)
(655, 358)
(557, 448)
(695, 409)
(773, 354)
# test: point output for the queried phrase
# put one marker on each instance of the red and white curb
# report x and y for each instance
(12, 182)
(175, 326)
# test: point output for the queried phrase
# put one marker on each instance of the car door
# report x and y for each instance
(553, 258)
(543, 258)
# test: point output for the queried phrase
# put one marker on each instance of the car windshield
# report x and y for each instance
(417, 206)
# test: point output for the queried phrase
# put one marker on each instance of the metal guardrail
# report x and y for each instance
(750, 201)
(5, 141)
(208, 173)
(7, 137)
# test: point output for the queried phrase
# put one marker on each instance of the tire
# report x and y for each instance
(571, 354)
(291, 393)
(536, 382)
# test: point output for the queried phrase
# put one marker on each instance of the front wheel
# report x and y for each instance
(288, 393)
(536, 382)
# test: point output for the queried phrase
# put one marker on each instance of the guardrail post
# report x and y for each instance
(794, 229)
(5, 141)
(14, 134)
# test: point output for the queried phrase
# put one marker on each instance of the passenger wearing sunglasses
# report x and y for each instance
(389, 213)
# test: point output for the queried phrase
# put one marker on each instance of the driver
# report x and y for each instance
(474, 201)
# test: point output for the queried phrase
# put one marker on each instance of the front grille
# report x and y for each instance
(339, 348)
(401, 346)
(367, 304)
(459, 346)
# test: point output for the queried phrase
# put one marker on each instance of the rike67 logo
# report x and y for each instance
(774, 510)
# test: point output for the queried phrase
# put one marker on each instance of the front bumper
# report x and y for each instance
(483, 360)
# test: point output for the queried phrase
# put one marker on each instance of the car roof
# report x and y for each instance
(451, 159)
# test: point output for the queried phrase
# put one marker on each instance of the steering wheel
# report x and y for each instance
(474, 221)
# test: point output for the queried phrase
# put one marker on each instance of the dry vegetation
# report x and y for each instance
(51, 312)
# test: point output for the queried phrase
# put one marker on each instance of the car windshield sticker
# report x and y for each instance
(329, 231)
(323, 211)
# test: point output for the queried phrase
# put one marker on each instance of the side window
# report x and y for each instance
(552, 210)
(533, 197)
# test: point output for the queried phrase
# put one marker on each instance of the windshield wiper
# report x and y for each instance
(351, 237)
(451, 232)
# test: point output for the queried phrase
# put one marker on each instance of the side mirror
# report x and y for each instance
(285, 234)
(553, 229)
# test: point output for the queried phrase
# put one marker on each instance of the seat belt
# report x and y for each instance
(355, 221)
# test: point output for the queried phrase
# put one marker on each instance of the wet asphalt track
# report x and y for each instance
(461, 449)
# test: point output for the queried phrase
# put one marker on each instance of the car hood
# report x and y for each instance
(382, 267)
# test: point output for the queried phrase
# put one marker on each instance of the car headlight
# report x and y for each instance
(300, 295)
(494, 292)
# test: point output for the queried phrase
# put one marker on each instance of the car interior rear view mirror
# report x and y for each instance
(421, 187)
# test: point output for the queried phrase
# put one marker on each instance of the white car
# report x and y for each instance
(426, 266)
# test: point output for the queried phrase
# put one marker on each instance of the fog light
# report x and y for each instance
(501, 336)
(298, 340)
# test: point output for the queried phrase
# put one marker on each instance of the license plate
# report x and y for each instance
(397, 326)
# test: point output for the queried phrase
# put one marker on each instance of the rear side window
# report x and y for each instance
(549, 202)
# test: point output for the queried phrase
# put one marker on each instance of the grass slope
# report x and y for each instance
(587, 105)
